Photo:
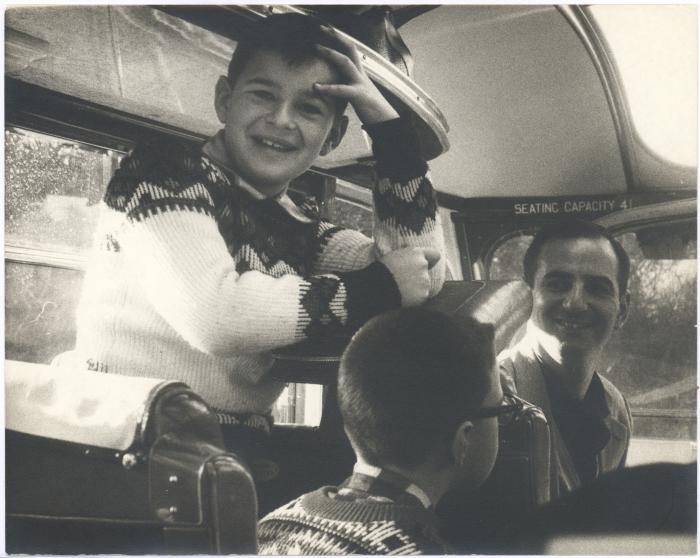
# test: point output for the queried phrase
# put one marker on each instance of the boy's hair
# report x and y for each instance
(569, 229)
(408, 379)
(293, 36)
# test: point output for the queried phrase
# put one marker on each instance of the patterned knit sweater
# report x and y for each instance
(192, 278)
(321, 523)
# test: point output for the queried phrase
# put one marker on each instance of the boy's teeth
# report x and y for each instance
(272, 144)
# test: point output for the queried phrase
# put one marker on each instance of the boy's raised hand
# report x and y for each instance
(370, 105)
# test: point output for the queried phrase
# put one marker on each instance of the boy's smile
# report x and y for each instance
(275, 123)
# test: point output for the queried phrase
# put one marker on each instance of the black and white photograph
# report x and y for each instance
(371, 279)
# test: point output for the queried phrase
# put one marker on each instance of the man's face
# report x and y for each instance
(275, 123)
(576, 298)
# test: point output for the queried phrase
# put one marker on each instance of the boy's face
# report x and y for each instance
(275, 124)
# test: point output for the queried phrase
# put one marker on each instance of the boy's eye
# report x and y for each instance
(262, 95)
(311, 109)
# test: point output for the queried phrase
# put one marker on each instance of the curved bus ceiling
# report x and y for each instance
(528, 113)
(526, 109)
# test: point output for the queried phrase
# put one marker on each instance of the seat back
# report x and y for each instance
(121, 466)
(485, 521)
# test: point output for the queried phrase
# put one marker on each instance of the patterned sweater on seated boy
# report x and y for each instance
(194, 276)
(365, 515)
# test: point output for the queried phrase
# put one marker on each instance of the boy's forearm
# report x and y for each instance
(396, 150)
(405, 205)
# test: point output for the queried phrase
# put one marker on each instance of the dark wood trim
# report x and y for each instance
(40, 109)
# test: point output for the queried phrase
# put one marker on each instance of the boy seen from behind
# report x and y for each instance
(419, 396)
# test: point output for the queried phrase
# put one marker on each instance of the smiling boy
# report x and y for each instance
(578, 274)
(204, 262)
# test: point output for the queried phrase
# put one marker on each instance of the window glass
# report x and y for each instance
(299, 404)
(40, 303)
(652, 358)
(506, 263)
(658, 64)
(52, 188)
(352, 215)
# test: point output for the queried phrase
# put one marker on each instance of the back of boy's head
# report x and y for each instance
(293, 36)
(408, 379)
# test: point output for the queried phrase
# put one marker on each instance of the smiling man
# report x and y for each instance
(578, 275)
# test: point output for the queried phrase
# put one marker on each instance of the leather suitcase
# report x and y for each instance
(106, 464)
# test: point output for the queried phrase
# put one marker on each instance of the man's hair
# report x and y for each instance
(293, 36)
(408, 379)
(569, 229)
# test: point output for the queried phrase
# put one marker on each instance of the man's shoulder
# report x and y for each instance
(615, 399)
(518, 356)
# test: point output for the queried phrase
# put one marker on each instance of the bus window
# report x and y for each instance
(52, 187)
(352, 215)
(506, 263)
(652, 359)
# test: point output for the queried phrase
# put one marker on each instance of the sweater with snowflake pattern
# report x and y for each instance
(193, 278)
(322, 523)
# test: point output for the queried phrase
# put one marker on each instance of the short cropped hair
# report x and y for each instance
(293, 36)
(567, 229)
(408, 379)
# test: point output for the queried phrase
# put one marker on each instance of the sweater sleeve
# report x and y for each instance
(177, 255)
(405, 208)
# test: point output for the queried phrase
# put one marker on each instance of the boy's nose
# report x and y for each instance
(281, 116)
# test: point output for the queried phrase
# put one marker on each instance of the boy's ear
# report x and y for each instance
(461, 443)
(336, 134)
(222, 97)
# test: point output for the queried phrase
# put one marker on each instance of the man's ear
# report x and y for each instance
(461, 443)
(222, 98)
(335, 135)
(624, 310)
